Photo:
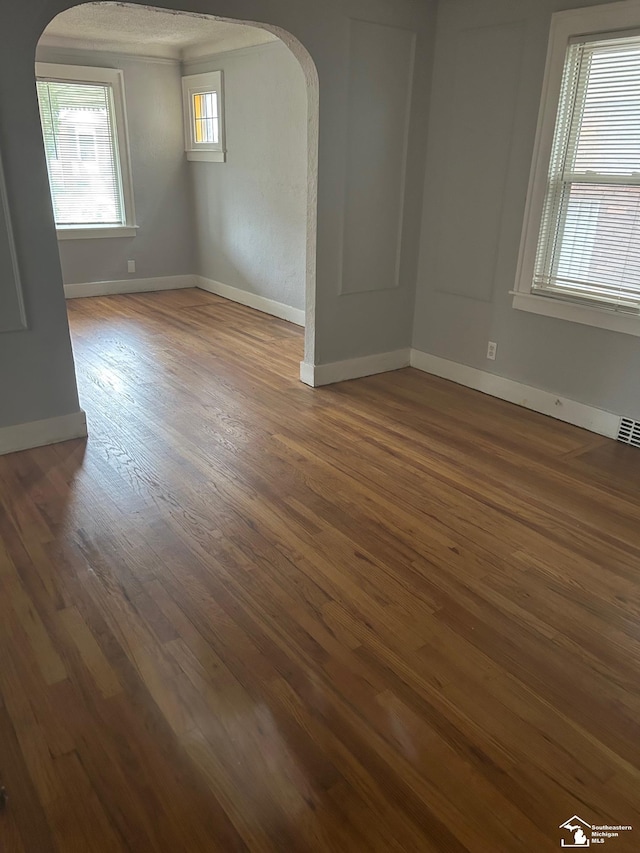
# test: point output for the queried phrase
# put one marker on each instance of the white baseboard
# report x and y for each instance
(252, 300)
(353, 368)
(178, 282)
(563, 409)
(129, 285)
(307, 373)
(38, 433)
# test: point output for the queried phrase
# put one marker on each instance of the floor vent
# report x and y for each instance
(629, 432)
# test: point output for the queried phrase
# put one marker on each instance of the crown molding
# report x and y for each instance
(59, 45)
(236, 51)
(169, 56)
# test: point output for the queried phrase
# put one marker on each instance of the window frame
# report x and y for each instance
(194, 84)
(613, 19)
(114, 77)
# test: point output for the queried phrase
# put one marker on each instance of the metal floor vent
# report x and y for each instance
(629, 432)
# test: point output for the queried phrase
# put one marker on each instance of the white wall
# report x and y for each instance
(251, 212)
(489, 67)
(165, 241)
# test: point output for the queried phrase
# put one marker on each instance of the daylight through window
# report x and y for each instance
(589, 245)
(205, 117)
(78, 125)
(203, 100)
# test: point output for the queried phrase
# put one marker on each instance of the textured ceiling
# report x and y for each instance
(148, 31)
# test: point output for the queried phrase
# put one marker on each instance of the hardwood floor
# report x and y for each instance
(388, 615)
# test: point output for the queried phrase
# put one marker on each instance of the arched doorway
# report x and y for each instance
(196, 22)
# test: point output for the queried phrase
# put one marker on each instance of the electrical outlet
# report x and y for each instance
(131, 266)
(492, 350)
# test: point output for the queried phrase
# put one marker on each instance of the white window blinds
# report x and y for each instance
(589, 246)
(80, 140)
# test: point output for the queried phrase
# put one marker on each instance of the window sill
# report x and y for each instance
(603, 318)
(207, 156)
(96, 231)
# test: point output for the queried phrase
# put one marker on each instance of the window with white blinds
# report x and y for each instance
(86, 149)
(82, 157)
(589, 243)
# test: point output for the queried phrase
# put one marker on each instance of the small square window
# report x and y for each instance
(203, 116)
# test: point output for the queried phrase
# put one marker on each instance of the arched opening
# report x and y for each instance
(181, 38)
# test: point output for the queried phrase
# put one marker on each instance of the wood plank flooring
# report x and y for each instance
(388, 615)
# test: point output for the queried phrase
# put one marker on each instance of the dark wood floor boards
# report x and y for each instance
(392, 614)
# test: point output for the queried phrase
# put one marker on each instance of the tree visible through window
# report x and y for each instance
(78, 125)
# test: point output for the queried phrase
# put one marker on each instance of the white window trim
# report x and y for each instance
(115, 78)
(593, 20)
(93, 232)
(212, 152)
